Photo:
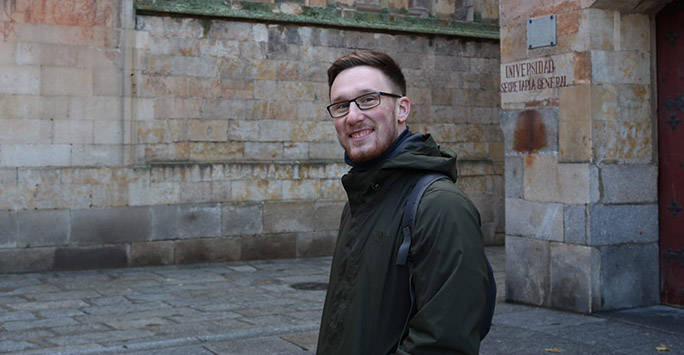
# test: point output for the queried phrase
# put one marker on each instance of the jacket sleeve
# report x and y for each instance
(450, 275)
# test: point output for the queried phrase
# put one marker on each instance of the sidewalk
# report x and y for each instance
(268, 307)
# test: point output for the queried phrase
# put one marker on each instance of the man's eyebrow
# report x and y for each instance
(360, 93)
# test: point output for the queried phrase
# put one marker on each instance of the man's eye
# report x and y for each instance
(341, 106)
(368, 99)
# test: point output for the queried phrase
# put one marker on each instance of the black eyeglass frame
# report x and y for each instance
(379, 93)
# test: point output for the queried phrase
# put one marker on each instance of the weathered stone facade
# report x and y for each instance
(581, 172)
(134, 137)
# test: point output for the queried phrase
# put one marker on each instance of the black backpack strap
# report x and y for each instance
(403, 258)
(409, 218)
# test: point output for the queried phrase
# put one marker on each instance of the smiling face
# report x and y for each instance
(366, 134)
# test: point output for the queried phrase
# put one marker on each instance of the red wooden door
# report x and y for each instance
(670, 68)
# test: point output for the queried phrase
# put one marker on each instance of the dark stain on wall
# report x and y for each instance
(530, 132)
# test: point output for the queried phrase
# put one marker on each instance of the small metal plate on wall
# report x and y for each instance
(541, 32)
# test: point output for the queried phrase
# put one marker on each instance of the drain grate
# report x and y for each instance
(310, 286)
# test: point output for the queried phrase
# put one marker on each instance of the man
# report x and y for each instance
(368, 300)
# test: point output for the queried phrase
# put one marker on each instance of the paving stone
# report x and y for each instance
(15, 345)
(39, 323)
(100, 337)
(269, 345)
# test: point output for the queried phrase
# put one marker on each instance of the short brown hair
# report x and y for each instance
(374, 59)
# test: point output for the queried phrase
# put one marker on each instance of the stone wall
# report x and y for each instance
(134, 137)
(578, 116)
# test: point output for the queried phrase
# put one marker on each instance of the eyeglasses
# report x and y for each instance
(363, 102)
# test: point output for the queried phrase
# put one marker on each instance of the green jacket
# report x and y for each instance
(368, 295)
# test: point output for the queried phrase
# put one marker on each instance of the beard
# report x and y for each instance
(382, 141)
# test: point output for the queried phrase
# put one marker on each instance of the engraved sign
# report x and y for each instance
(531, 75)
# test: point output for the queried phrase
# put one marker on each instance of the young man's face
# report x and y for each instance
(366, 134)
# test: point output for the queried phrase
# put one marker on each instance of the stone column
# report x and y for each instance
(581, 177)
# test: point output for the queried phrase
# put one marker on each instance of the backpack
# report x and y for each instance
(407, 223)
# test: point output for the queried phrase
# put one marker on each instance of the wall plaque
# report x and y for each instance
(541, 32)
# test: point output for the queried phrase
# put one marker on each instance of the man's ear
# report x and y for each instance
(403, 109)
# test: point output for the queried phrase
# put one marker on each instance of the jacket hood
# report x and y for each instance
(429, 157)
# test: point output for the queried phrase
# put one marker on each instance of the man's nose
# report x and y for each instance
(355, 114)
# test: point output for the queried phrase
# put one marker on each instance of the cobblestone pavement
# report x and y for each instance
(268, 307)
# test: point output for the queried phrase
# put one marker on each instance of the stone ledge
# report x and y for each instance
(309, 15)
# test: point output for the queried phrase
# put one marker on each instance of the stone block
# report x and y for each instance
(582, 68)
(195, 66)
(604, 103)
(599, 26)
(216, 151)
(38, 228)
(547, 181)
(635, 32)
(623, 67)
(319, 150)
(542, 221)
(96, 108)
(256, 190)
(95, 257)
(8, 229)
(527, 271)
(66, 81)
(34, 155)
(96, 155)
(185, 221)
(296, 150)
(7, 52)
(107, 82)
(20, 79)
(33, 107)
(197, 192)
(207, 130)
(514, 177)
(331, 189)
(110, 225)
(73, 132)
(269, 246)
(263, 151)
(243, 130)
(26, 131)
(624, 184)
(575, 224)
(574, 126)
(165, 108)
(108, 132)
(21, 260)
(574, 277)
(629, 276)
(152, 253)
(194, 251)
(619, 224)
(44, 54)
(316, 244)
(241, 219)
(624, 142)
(327, 215)
(203, 87)
(289, 217)
(300, 189)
